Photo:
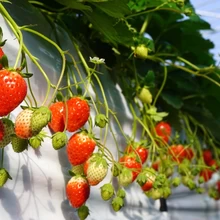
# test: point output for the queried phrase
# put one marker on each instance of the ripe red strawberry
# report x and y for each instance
(177, 152)
(163, 130)
(23, 124)
(206, 174)
(95, 169)
(78, 113)
(141, 151)
(13, 90)
(8, 131)
(189, 153)
(146, 179)
(80, 147)
(130, 161)
(155, 165)
(213, 163)
(207, 156)
(57, 121)
(77, 191)
(1, 54)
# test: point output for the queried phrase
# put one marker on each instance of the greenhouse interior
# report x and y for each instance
(109, 110)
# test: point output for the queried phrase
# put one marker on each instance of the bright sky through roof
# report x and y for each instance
(210, 11)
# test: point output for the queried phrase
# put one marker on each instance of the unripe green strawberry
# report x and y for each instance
(77, 191)
(107, 191)
(8, 131)
(156, 193)
(19, 144)
(78, 169)
(176, 181)
(4, 176)
(95, 169)
(121, 193)
(125, 178)
(116, 169)
(166, 192)
(101, 120)
(117, 203)
(180, 3)
(188, 11)
(145, 95)
(40, 119)
(200, 190)
(141, 52)
(59, 140)
(83, 212)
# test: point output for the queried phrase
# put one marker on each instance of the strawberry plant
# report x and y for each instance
(169, 86)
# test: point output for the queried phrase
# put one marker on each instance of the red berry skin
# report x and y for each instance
(141, 151)
(79, 148)
(77, 191)
(78, 113)
(147, 185)
(155, 165)
(207, 156)
(1, 54)
(206, 174)
(57, 121)
(177, 152)
(131, 163)
(189, 153)
(163, 129)
(13, 90)
(23, 124)
(213, 163)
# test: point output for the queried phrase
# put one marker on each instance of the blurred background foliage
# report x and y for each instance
(169, 29)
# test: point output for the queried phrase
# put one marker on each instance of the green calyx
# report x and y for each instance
(59, 140)
(36, 141)
(117, 203)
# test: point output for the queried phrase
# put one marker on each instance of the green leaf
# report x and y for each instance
(74, 5)
(149, 79)
(114, 32)
(172, 99)
(92, 0)
(115, 8)
(4, 61)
